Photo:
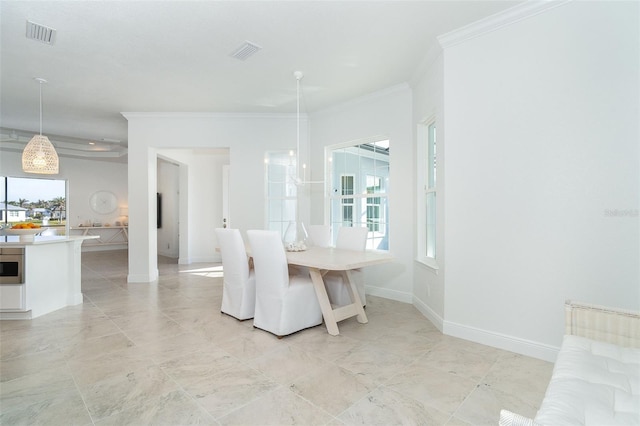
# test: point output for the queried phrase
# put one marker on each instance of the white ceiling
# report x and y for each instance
(174, 56)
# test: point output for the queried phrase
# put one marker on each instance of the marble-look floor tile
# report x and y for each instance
(333, 388)
(464, 363)
(17, 343)
(230, 390)
(386, 407)
(324, 345)
(405, 344)
(132, 319)
(174, 346)
(31, 363)
(279, 407)
(162, 353)
(170, 409)
(126, 391)
(153, 330)
(373, 362)
(433, 387)
(87, 371)
(483, 405)
(251, 345)
(60, 408)
(72, 334)
(27, 391)
(286, 363)
(196, 366)
(521, 375)
(96, 347)
(455, 421)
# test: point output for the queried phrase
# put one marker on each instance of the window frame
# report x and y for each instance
(427, 153)
(376, 239)
(288, 190)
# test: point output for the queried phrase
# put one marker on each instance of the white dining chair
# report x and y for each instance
(284, 303)
(320, 235)
(349, 238)
(239, 281)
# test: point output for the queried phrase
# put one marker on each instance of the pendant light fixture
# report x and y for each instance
(39, 156)
(299, 181)
(295, 237)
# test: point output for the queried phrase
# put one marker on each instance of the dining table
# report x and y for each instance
(319, 261)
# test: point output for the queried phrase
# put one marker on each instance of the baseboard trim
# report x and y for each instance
(501, 341)
(398, 296)
(429, 313)
(190, 260)
(75, 299)
(24, 315)
(142, 278)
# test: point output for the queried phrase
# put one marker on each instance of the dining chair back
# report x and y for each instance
(284, 303)
(239, 281)
(349, 238)
(320, 235)
(352, 238)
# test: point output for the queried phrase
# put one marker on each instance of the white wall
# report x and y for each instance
(388, 113)
(202, 183)
(246, 136)
(84, 177)
(541, 122)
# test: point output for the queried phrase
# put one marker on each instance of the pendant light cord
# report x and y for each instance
(298, 126)
(40, 108)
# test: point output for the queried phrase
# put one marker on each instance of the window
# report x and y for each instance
(427, 194)
(281, 191)
(373, 204)
(346, 189)
(359, 173)
(38, 200)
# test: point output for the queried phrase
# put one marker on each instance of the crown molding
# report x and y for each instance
(213, 115)
(499, 20)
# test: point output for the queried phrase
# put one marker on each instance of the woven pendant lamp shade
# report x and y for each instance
(39, 156)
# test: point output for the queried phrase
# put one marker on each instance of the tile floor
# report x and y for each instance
(163, 354)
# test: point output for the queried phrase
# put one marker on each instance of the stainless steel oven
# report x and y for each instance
(11, 265)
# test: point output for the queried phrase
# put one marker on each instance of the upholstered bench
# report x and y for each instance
(596, 377)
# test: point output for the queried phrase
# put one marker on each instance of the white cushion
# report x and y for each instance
(593, 383)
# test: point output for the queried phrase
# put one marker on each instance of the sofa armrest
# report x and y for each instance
(611, 325)
(507, 418)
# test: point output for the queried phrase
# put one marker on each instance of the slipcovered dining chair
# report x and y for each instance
(284, 303)
(349, 238)
(239, 281)
(320, 235)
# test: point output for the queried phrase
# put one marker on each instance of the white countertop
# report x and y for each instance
(17, 241)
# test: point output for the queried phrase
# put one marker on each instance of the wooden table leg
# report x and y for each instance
(323, 299)
(355, 297)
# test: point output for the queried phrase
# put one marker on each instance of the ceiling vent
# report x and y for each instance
(40, 33)
(246, 50)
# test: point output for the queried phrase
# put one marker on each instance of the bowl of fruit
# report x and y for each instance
(25, 230)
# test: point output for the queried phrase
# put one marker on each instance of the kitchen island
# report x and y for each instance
(51, 272)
